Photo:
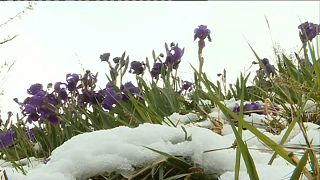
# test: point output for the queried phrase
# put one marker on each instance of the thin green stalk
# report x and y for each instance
(201, 61)
(240, 127)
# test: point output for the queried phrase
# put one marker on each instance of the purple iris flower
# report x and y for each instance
(63, 95)
(37, 100)
(176, 53)
(28, 109)
(265, 61)
(186, 86)
(72, 80)
(7, 138)
(60, 89)
(308, 31)
(108, 103)
(129, 88)
(156, 70)
(111, 98)
(98, 97)
(236, 108)
(48, 114)
(31, 105)
(58, 86)
(202, 32)
(51, 98)
(270, 69)
(174, 57)
(137, 67)
(105, 57)
(35, 88)
(87, 97)
(33, 117)
(254, 106)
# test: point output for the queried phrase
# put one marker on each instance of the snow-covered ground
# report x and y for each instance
(123, 148)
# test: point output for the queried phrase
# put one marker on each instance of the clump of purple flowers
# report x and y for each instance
(202, 32)
(110, 96)
(308, 31)
(87, 86)
(41, 104)
(7, 138)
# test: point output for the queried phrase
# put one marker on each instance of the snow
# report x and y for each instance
(177, 118)
(310, 106)
(122, 149)
(191, 118)
(265, 172)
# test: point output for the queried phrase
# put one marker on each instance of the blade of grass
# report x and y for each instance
(313, 157)
(272, 41)
(177, 176)
(284, 138)
(298, 170)
(286, 134)
(315, 62)
(270, 143)
(238, 153)
(251, 168)
(290, 157)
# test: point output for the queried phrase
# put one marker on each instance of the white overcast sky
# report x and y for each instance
(56, 37)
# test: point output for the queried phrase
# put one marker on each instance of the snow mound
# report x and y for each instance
(122, 149)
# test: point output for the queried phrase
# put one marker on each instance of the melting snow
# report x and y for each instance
(121, 149)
